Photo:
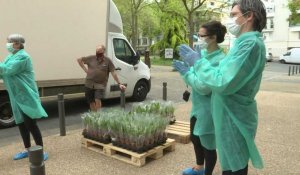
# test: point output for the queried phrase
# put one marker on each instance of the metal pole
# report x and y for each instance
(289, 70)
(36, 159)
(296, 69)
(61, 112)
(165, 91)
(293, 70)
(147, 58)
(122, 95)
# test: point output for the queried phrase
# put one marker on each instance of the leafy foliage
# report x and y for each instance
(131, 11)
(192, 13)
(161, 108)
(174, 34)
(118, 122)
(176, 21)
(294, 6)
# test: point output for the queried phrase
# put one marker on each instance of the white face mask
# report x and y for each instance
(9, 47)
(202, 43)
(233, 27)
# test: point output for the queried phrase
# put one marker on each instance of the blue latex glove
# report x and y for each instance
(188, 55)
(197, 49)
(181, 67)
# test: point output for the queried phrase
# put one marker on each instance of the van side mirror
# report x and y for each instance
(136, 58)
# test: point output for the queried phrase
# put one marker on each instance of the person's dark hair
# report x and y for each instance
(21, 46)
(215, 28)
(258, 9)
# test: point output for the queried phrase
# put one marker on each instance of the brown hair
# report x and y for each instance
(215, 28)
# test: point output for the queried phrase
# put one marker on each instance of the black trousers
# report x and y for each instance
(202, 154)
(239, 172)
(29, 126)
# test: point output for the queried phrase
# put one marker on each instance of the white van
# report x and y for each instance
(292, 56)
(57, 33)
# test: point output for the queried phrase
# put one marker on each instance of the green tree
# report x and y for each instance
(149, 25)
(133, 8)
(189, 10)
(294, 6)
(126, 17)
(173, 34)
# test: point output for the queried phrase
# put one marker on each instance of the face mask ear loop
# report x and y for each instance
(244, 16)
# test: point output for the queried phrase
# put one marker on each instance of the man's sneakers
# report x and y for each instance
(21, 155)
(24, 154)
(191, 171)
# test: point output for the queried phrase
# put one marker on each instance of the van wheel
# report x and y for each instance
(282, 61)
(140, 91)
(6, 115)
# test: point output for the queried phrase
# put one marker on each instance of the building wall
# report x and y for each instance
(278, 35)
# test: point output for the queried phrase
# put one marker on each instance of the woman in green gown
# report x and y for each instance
(18, 77)
(234, 84)
(201, 122)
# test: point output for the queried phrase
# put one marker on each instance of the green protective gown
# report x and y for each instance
(234, 84)
(18, 77)
(201, 100)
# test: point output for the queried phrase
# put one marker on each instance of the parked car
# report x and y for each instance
(292, 56)
(269, 57)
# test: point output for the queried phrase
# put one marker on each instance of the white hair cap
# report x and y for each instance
(17, 38)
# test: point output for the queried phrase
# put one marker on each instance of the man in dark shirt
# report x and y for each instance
(97, 70)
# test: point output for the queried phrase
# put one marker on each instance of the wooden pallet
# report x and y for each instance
(180, 131)
(126, 155)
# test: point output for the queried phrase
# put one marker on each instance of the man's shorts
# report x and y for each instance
(92, 94)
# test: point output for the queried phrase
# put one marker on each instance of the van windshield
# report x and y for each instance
(287, 54)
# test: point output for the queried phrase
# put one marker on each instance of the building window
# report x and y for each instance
(144, 41)
(270, 6)
(270, 9)
(264, 36)
(271, 23)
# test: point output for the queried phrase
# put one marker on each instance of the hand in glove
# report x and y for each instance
(188, 55)
(197, 49)
(181, 67)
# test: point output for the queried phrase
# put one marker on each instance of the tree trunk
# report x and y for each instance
(133, 29)
(191, 29)
(136, 31)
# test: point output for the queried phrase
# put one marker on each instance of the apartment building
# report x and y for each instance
(279, 35)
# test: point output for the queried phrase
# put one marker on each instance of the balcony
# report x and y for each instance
(268, 30)
(295, 28)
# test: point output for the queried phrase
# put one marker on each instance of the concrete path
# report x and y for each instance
(278, 139)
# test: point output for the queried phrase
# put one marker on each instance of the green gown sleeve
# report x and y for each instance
(18, 78)
(13, 67)
(235, 69)
(198, 86)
